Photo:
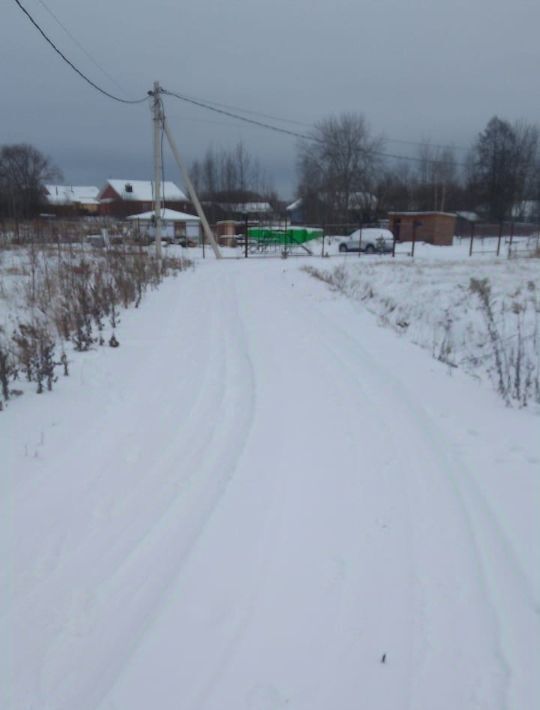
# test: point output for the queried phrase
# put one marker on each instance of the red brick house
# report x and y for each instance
(121, 198)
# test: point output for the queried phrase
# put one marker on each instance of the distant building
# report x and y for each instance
(173, 225)
(295, 211)
(527, 211)
(466, 222)
(72, 200)
(431, 227)
(121, 198)
(358, 207)
(254, 209)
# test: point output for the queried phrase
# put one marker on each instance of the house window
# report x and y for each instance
(128, 187)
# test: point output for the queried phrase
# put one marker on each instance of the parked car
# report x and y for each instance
(187, 242)
(370, 240)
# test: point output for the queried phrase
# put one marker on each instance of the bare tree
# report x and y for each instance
(210, 173)
(396, 188)
(230, 176)
(338, 164)
(437, 176)
(23, 172)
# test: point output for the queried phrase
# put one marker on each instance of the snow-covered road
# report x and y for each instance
(259, 496)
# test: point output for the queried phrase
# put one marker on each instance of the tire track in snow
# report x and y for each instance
(112, 611)
(239, 354)
(88, 483)
(502, 578)
(80, 487)
(51, 601)
(233, 420)
(220, 652)
(388, 383)
(390, 610)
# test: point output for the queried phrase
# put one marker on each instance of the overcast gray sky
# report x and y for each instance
(417, 69)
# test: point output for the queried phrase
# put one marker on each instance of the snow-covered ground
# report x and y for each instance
(434, 301)
(254, 502)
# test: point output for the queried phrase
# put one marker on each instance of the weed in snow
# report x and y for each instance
(64, 296)
(464, 320)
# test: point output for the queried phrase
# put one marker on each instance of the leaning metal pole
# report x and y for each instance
(192, 192)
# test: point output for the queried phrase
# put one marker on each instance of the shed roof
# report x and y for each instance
(249, 207)
(422, 214)
(167, 215)
(469, 216)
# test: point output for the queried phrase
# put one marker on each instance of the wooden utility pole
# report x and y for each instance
(158, 127)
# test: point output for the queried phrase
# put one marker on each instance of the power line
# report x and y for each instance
(433, 161)
(295, 134)
(251, 112)
(80, 46)
(427, 143)
(236, 116)
(69, 63)
(210, 103)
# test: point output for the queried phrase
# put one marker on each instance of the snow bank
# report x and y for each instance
(440, 306)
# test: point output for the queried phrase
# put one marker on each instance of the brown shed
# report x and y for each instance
(226, 228)
(432, 227)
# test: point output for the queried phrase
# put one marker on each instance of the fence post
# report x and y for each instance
(395, 231)
(323, 235)
(360, 240)
(203, 248)
(500, 237)
(511, 240)
(414, 226)
(472, 239)
(246, 241)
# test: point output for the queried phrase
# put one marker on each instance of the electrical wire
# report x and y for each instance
(414, 159)
(210, 106)
(427, 143)
(69, 63)
(236, 116)
(80, 46)
(251, 112)
(309, 125)
(295, 134)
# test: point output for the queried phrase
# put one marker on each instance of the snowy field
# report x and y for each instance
(480, 314)
(264, 499)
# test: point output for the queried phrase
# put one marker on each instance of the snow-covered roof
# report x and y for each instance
(249, 207)
(361, 199)
(526, 209)
(71, 194)
(469, 216)
(294, 205)
(406, 213)
(167, 215)
(143, 190)
(357, 200)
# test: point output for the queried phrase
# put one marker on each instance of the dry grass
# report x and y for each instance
(67, 296)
